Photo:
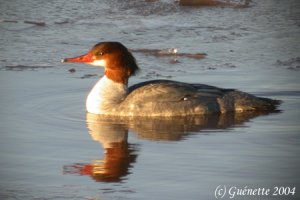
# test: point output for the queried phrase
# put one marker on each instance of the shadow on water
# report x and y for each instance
(221, 3)
(120, 156)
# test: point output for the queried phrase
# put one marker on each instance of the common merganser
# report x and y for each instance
(111, 95)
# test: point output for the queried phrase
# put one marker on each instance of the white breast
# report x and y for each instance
(105, 96)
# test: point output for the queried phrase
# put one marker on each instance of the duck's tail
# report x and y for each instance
(268, 104)
(248, 102)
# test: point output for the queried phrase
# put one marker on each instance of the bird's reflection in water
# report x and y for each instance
(119, 155)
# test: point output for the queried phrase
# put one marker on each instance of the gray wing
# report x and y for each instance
(170, 91)
(165, 97)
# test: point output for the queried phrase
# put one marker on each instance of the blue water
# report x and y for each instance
(50, 148)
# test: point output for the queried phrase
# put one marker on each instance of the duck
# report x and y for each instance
(112, 96)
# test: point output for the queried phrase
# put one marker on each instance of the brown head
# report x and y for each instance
(118, 62)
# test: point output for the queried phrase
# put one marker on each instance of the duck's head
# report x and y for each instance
(118, 62)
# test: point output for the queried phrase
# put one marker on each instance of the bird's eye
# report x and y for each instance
(99, 54)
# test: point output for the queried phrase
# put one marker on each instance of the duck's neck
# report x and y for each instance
(106, 96)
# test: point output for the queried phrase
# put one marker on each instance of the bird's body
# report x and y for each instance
(111, 96)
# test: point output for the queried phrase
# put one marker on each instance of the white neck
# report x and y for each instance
(106, 96)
